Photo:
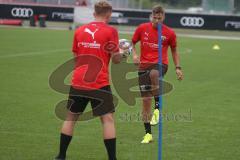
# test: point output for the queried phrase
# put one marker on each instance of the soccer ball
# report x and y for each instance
(125, 44)
(125, 47)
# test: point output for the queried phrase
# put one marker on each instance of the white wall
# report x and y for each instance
(83, 15)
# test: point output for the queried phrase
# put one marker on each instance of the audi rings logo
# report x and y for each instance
(22, 12)
(192, 21)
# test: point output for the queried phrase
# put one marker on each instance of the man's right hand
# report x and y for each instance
(136, 60)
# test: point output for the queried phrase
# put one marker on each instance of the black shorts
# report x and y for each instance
(145, 80)
(101, 101)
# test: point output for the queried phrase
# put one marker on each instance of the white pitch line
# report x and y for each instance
(196, 36)
(34, 53)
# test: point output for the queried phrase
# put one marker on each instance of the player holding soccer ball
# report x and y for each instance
(147, 34)
(94, 45)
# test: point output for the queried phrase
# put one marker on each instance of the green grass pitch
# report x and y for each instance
(202, 121)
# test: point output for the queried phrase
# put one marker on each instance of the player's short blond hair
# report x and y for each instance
(102, 8)
(158, 9)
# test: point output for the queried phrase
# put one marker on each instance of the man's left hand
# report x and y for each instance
(179, 74)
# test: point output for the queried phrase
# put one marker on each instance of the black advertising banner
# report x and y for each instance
(193, 21)
(134, 17)
(198, 21)
(9, 11)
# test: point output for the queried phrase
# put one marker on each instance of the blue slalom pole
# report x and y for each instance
(160, 139)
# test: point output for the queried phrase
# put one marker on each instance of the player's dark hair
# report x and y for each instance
(157, 9)
(102, 8)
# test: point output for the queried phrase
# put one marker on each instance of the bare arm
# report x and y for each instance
(175, 57)
(176, 61)
(117, 57)
(135, 55)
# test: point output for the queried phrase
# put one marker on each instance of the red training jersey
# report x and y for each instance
(148, 36)
(92, 46)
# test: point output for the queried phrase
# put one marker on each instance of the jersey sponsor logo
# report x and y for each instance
(22, 12)
(89, 45)
(87, 30)
(192, 21)
(151, 45)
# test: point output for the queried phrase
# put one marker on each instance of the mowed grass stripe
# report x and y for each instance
(210, 90)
